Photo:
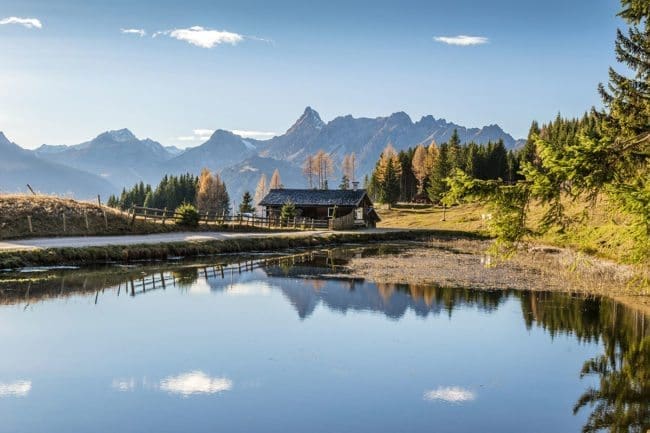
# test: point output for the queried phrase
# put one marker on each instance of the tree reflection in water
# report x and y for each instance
(619, 403)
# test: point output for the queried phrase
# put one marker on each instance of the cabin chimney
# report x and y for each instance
(355, 186)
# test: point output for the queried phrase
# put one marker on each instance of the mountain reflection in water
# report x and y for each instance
(619, 402)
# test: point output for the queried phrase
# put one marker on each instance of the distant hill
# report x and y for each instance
(18, 167)
(221, 150)
(122, 159)
(117, 156)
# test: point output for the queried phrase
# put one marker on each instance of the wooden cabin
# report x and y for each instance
(343, 208)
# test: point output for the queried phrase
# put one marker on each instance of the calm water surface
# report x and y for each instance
(275, 346)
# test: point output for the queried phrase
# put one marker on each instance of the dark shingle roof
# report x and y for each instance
(314, 197)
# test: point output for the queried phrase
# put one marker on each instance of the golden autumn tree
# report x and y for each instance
(276, 182)
(324, 168)
(349, 167)
(420, 166)
(309, 169)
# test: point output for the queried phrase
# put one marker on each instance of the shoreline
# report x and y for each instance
(126, 253)
(463, 263)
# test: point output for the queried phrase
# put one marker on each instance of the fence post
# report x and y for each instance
(133, 217)
(64, 224)
(29, 222)
(105, 218)
(164, 215)
(86, 219)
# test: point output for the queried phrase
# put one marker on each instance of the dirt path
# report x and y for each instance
(96, 241)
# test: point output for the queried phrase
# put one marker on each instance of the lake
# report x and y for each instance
(278, 344)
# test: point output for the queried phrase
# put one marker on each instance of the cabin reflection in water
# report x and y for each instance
(619, 402)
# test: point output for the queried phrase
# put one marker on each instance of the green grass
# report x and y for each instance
(603, 232)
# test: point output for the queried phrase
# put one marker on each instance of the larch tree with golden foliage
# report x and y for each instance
(276, 182)
(260, 192)
(349, 167)
(309, 170)
(324, 168)
(420, 166)
(212, 195)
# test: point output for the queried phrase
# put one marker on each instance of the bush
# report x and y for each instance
(188, 215)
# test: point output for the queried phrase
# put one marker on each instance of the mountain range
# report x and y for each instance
(117, 159)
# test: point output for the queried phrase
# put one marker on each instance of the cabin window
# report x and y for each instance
(358, 213)
(330, 212)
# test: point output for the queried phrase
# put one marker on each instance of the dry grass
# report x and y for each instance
(460, 263)
(461, 218)
(47, 212)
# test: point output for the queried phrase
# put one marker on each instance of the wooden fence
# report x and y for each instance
(228, 221)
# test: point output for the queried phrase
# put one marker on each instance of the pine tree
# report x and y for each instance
(246, 205)
(440, 171)
(345, 183)
(288, 212)
(529, 153)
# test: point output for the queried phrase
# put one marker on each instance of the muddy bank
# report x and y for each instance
(463, 263)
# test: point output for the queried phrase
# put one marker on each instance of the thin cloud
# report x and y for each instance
(261, 135)
(139, 32)
(197, 135)
(30, 23)
(202, 37)
(203, 132)
(462, 40)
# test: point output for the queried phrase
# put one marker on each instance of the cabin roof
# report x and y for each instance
(314, 197)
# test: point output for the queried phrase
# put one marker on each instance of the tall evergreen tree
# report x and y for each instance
(440, 171)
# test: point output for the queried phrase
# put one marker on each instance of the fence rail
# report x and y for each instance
(211, 218)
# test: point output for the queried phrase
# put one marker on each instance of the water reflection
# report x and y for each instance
(450, 394)
(195, 382)
(19, 388)
(618, 400)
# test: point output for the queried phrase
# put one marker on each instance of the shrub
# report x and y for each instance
(188, 215)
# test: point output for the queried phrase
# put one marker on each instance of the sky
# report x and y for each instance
(173, 71)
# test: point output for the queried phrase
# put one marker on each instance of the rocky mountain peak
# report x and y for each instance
(118, 136)
(310, 120)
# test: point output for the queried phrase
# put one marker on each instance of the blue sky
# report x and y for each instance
(80, 74)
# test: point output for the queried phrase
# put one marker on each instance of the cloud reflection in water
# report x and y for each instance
(450, 394)
(195, 382)
(19, 388)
